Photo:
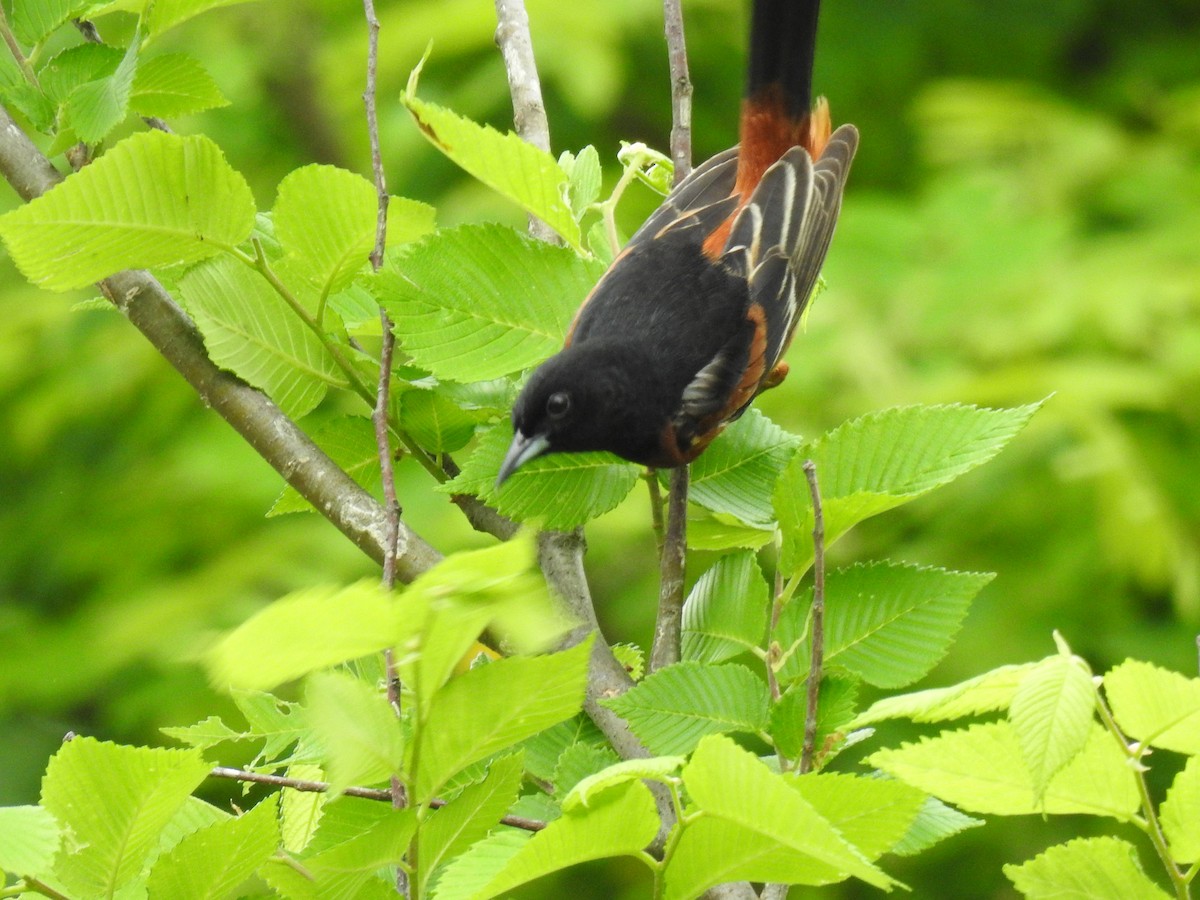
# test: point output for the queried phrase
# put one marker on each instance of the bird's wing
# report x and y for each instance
(701, 201)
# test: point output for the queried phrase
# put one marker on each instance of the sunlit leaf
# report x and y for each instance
(989, 692)
(350, 442)
(357, 727)
(1155, 705)
(174, 84)
(1100, 868)
(1051, 714)
(1180, 814)
(29, 840)
(96, 108)
(934, 823)
(726, 612)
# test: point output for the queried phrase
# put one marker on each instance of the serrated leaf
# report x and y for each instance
(96, 108)
(166, 14)
(1180, 814)
(250, 331)
(981, 769)
(154, 199)
(990, 692)
(579, 762)
(471, 815)
(482, 301)
(1156, 706)
(719, 533)
(621, 822)
(301, 812)
(350, 442)
(873, 814)
(1100, 868)
(495, 706)
(757, 826)
(836, 702)
(357, 727)
(884, 460)
(673, 708)
(737, 474)
(210, 863)
(174, 84)
(933, 824)
(204, 734)
(544, 750)
(469, 874)
(278, 723)
(655, 768)
(585, 176)
(726, 612)
(305, 631)
(523, 173)
(558, 491)
(632, 659)
(889, 623)
(32, 22)
(116, 801)
(435, 422)
(76, 66)
(29, 840)
(1051, 713)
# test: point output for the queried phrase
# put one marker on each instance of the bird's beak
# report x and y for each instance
(520, 451)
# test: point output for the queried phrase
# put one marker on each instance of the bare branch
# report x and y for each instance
(817, 632)
(681, 90)
(272, 434)
(668, 628)
(373, 132)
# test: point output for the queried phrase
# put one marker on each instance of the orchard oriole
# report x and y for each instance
(692, 318)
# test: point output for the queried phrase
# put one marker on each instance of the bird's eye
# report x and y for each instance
(558, 405)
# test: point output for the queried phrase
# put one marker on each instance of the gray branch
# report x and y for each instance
(681, 90)
(253, 415)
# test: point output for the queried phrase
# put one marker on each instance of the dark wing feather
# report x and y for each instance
(702, 200)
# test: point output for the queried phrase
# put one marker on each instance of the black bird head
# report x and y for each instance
(591, 396)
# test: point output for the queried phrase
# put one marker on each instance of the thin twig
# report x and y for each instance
(817, 633)
(656, 508)
(668, 627)
(681, 90)
(322, 787)
(373, 132)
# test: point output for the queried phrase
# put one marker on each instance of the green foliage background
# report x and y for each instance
(1022, 220)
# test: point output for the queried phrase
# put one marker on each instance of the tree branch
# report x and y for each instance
(668, 627)
(817, 633)
(681, 90)
(253, 415)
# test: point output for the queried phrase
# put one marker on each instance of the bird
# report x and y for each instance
(692, 318)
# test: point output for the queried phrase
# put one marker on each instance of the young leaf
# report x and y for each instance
(1051, 713)
(174, 84)
(672, 709)
(214, 861)
(166, 14)
(1156, 706)
(115, 801)
(32, 22)
(471, 815)
(250, 331)
(737, 474)
(154, 199)
(579, 762)
(1180, 814)
(350, 442)
(559, 491)
(873, 814)
(726, 612)
(96, 108)
(76, 66)
(1099, 868)
(301, 812)
(357, 727)
(934, 823)
(523, 173)
(721, 532)
(493, 707)
(888, 623)
(981, 769)
(483, 301)
(585, 176)
(306, 630)
(757, 826)
(655, 768)
(884, 460)
(836, 702)
(989, 692)
(29, 840)
(204, 734)
(432, 420)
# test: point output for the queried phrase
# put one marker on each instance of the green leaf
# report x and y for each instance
(989, 692)
(468, 875)
(836, 702)
(632, 659)
(116, 801)
(673, 708)
(719, 532)
(889, 623)
(981, 769)
(1180, 814)
(96, 108)
(622, 821)
(350, 442)
(174, 84)
(211, 863)
(250, 331)
(1156, 706)
(873, 814)
(204, 734)
(523, 173)
(579, 762)
(357, 727)
(558, 491)
(543, 751)
(154, 199)
(655, 768)
(1052, 712)
(301, 812)
(166, 14)
(726, 612)
(495, 706)
(278, 723)
(304, 631)
(737, 474)
(934, 823)
(29, 840)
(435, 422)
(884, 460)
(757, 826)
(585, 177)
(1100, 868)
(483, 301)
(471, 815)
(76, 66)
(33, 21)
